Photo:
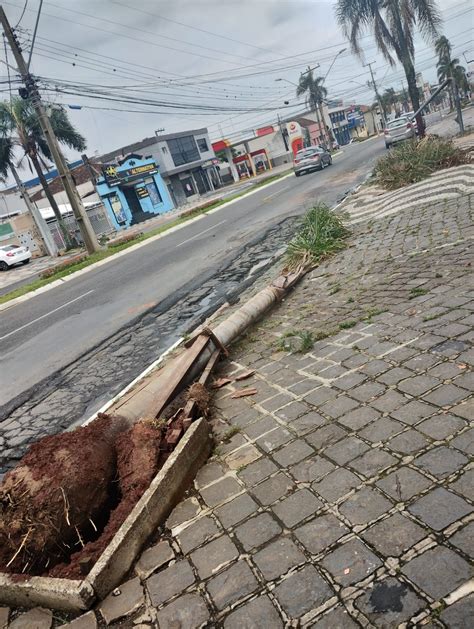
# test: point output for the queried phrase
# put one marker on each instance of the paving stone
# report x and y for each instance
(259, 612)
(388, 402)
(211, 472)
(393, 536)
(340, 406)
(417, 385)
(409, 442)
(444, 371)
(464, 539)
(325, 436)
(393, 376)
(375, 367)
(302, 591)
(336, 484)
(381, 430)
(263, 425)
(351, 562)
(186, 612)
(276, 402)
(465, 441)
(439, 508)
(320, 533)
(438, 571)
(297, 507)
(220, 491)
(213, 556)
(130, 599)
(367, 391)
(257, 531)
(307, 423)
(196, 534)
(446, 395)
(337, 618)
(242, 457)
(347, 382)
(232, 584)
(153, 558)
(273, 488)
(373, 462)
(86, 621)
(312, 469)
(441, 426)
(278, 557)
(274, 439)
(168, 582)
(229, 445)
(237, 510)
(36, 618)
(320, 395)
(293, 453)
(359, 417)
(365, 505)
(255, 472)
(346, 450)
(389, 603)
(441, 461)
(292, 411)
(413, 412)
(460, 614)
(184, 511)
(465, 485)
(404, 483)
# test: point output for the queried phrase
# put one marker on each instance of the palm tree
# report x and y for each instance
(393, 23)
(20, 129)
(389, 99)
(449, 68)
(315, 94)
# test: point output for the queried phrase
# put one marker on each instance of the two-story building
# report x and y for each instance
(186, 162)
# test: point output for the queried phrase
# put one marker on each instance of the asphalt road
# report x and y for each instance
(51, 330)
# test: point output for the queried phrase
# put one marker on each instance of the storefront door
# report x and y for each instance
(132, 200)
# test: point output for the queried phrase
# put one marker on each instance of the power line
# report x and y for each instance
(21, 16)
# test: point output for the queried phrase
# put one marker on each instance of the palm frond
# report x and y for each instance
(428, 18)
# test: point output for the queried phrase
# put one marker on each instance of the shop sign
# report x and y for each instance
(115, 177)
(142, 192)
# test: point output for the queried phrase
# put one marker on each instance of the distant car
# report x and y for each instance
(398, 130)
(13, 254)
(311, 158)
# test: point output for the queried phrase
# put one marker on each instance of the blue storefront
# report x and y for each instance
(133, 191)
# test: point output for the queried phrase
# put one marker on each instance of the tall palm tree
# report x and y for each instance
(393, 23)
(315, 94)
(20, 129)
(389, 99)
(449, 68)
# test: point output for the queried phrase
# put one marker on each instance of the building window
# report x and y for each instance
(117, 208)
(202, 144)
(153, 192)
(183, 150)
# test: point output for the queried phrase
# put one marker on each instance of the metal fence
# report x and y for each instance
(98, 217)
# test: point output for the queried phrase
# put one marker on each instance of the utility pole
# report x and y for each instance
(374, 84)
(40, 223)
(283, 133)
(87, 233)
(457, 102)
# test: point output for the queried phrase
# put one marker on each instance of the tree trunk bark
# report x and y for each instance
(67, 237)
(414, 94)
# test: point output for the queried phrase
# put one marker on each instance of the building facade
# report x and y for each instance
(133, 191)
(339, 125)
(186, 162)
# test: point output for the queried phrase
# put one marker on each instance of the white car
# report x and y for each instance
(13, 254)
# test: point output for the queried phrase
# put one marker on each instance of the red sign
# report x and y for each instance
(264, 131)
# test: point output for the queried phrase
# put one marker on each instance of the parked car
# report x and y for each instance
(410, 116)
(13, 254)
(398, 130)
(311, 158)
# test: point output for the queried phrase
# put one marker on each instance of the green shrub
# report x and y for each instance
(412, 161)
(320, 234)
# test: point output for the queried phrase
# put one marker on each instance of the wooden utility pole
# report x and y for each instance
(377, 95)
(87, 233)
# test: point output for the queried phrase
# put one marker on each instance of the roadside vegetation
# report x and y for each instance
(321, 233)
(413, 161)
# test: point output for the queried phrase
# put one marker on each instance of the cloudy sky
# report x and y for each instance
(135, 67)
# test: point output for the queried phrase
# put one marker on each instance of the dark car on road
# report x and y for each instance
(311, 158)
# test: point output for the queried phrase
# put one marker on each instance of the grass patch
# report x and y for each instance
(417, 292)
(321, 233)
(335, 289)
(346, 325)
(125, 243)
(415, 160)
(298, 342)
(227, 436)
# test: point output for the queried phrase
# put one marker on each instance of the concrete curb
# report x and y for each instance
(139, 245)
(150, 511)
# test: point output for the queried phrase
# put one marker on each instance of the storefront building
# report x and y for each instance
(133, 191)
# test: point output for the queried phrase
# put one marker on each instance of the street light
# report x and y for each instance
(333, 62)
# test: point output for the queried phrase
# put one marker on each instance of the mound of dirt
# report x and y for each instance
(137, 452)
(50, 501)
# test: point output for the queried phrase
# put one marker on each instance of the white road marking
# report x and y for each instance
(200, 233)
(45, 315)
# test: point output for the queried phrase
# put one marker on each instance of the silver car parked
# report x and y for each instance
(311, 158)
(398, 130)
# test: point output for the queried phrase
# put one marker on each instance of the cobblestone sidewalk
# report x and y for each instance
(340, 495)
